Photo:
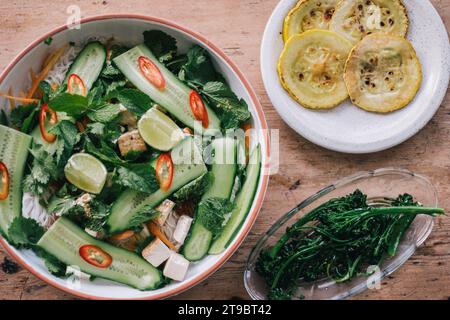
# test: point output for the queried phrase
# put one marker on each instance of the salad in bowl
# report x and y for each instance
(129, 163)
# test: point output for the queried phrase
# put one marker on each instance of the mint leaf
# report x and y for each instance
(105, 113)
(195, 188)
(72, 104)
(140, 177)
(163, 46)
(211, 213)
(134, 100)
(199, 69)
(23, 117)
(231, 110)
(104, 153)
(68, 137)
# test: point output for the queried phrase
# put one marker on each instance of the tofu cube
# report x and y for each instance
(131, 142)
(182, 229)
(165, 208)
(156, 253)
(176, 267)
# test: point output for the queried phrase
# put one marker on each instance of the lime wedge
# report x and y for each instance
(159, 131)
(86, 172)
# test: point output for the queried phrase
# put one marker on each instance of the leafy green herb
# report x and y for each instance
(194, 189)
(140, 177)
(24, 117)
(212, 214)
(104, 153)
(163, 46)
(134, 100)
(43, 170)
(144, 214)
(48, 41)
(105, 114)
(231, 110)
(337, 240)
(67, 138)
(199, 73)
(3, 118)
(24, 232)
(72, 104)
(53, 264)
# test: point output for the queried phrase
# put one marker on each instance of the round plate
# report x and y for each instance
(347, 128)
(127, 29)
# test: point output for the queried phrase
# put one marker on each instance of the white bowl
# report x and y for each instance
(128, 29)
(347, 128)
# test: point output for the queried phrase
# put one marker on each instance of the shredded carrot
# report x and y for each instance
(246, 127)
(12, 102)
(123, 235)
(48, 59)
(156, 231)
(46, 70)
(24, 100)
(54, 86)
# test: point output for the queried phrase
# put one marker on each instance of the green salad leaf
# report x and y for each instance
(212, 213)
(194, 189)
(198, 69)
(72, 104)
(163, 46)
(105, 114)
(232, 111)
(24, 232)
(24, 117)
(134, 100)
(140, 177)
(67, 138)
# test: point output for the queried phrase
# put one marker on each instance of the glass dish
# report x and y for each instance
(378, 185)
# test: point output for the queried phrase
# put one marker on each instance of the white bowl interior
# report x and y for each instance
(129, 32)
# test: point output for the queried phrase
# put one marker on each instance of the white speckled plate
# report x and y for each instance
(348, 128)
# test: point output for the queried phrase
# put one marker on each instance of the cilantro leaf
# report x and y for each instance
(72, 104)
(163, 46)
(212, 213)
(43, 170)
(140, 177)
(53, 264)
(24, 232)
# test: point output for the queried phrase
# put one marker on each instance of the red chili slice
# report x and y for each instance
(95, 256)
(4, 191)
(43, 115)
(75, 85)
(198, 108)
(152, 73)
(164, 171)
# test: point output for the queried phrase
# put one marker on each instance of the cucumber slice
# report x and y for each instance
(243, 202)
(64, 239)
(88, 64)
(224, 171)
(188, 165)
(13, 153)
(174, 98)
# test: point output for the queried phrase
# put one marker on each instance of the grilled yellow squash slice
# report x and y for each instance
(311, 68)
(354, 19)
(383, 73)
(307, 15)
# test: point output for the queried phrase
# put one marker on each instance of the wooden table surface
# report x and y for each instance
(236, 26)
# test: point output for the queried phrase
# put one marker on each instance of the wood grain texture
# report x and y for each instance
(236, 27)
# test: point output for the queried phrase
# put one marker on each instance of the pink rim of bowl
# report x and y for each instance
(264, 174)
